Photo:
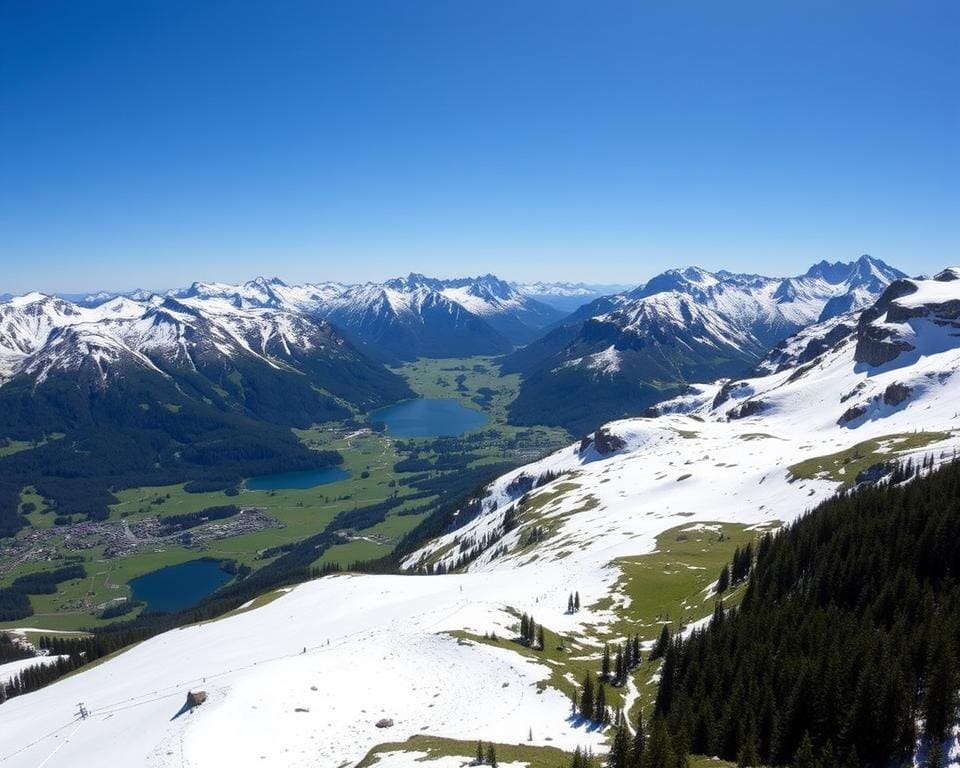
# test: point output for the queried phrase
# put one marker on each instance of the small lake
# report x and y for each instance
(178, 586)
(429, 418)
(309, 478)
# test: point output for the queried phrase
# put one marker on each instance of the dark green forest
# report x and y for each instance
(208, 428)
(847, 637)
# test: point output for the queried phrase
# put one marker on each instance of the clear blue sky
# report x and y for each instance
(152, 143)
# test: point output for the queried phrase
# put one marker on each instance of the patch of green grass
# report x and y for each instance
(844, 466)
(435, 747)
(10, 447)
(368, 456)
(666, 586)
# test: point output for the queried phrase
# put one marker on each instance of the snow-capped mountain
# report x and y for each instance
(43, 336)
(630, 350)
(707, 460)
(405, 317)
(829, 407)
(773, 308)
(567, 296)
(628, 359)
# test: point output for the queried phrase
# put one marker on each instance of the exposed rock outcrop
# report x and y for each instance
(606, 442)
(748, 408)
(896, 393)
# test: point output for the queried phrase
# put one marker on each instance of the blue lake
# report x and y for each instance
(309, 478)
(178, 586)
(428, 418)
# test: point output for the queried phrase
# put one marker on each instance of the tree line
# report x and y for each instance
(844, 651)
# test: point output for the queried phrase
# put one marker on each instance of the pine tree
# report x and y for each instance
(637, 658)
(724, 581)
(748, 754)
(577, 759)
(576, 601)
(491, 755)
(541, 640)
(804, 757)
(570, 603)
(479, 753)
(605, 665)
(718, 614)
(659, 748)
(600, 712)
(524, 627)
(639, 743)
(587, 697)
(663, 642)
(619, 673)
(619, 756)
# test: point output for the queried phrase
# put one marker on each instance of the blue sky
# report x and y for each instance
(154, 143)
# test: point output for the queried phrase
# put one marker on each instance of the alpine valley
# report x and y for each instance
(710, 520)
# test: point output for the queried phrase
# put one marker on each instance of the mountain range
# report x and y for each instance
(407, 317)
(167, 390)
(216, 364)
(619, 354)
(628, 520)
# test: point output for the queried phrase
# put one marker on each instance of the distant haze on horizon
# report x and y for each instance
(157, 143)
(627, 283)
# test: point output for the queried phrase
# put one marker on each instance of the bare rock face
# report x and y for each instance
(385, 722)
(896, 393)
(748, 408)
(880, 343)
(851, 414)
(877, 344)
(606, 442)
(726, 391)
(520, 485)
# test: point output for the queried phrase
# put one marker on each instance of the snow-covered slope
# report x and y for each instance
(303, 680)
(733, 442)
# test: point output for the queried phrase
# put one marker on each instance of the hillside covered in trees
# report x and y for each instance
(844, 650)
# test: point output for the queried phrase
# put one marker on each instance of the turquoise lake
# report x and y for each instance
(178, 586)
(429, 418)
(309, 478)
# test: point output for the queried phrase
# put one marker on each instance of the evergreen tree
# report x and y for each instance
(639, 742)
(587, 695)
(541, 641)
(748, 754)
(619, 670)
(479, 753)
(576, 601)
(619, 756)
(663, 642)
(524, 627)
(724, 581)
(491, 755)
(659, 749)
(805, 757)
(600, 712)
(605, 664)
